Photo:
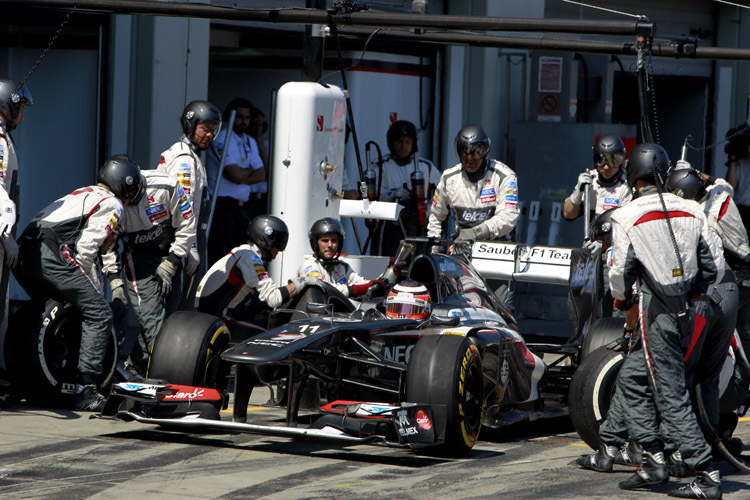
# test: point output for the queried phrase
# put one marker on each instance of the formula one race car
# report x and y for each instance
(415, 383)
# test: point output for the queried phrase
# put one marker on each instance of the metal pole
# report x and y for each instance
(228, 138)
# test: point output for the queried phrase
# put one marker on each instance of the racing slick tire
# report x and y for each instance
(591, 390)
(45, 364)
(188, 349)
(603, 332)
(447, 370)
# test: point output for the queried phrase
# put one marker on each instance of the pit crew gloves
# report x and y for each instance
(373, 288)
(118, 289)
(192, 261)
(11, 250)
(480, 232)
(165, 273)
(576, 197)
(7, 219)
(303, 281)
(625, 305)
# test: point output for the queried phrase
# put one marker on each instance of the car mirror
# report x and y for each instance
(445, 320)
(316, 308)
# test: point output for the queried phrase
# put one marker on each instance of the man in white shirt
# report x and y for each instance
(243, 168)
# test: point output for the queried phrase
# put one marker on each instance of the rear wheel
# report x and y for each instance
(188, 349)
(602, 332)
(591, 391)
(447, 370)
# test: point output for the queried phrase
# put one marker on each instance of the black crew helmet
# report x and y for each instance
(398, 129)
(11, 99)
(647, 161)
(268, 232)
(609, 148)
(686, 183)
(123, 177)
(472, 138)
(601, 227)
(197, 112)
(321, 227)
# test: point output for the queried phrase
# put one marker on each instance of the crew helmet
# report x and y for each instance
(321, 227)
(123, 177)
(647, 161)
(11, 99)
(601, 228)
(268, 232)
(197, 112)
(401, 128)
(685, 183)
(472, 138)
(408, 299)
(609, 149)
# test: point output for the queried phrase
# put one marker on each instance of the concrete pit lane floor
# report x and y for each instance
(62, 454)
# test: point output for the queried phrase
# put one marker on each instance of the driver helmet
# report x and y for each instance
(321, 227)
(472, 138)
(401, 128)
(408, 299)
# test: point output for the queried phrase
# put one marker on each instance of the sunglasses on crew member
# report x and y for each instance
(608, 159)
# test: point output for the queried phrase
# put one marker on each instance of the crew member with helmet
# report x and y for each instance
(720, 305)
(201, 123)
(13, 100)
(482, 192)
(158, 233)
(238, 287)
(661, 275)
(406, 179)
(58, 250)
(609, 189)
(326, 239)
(408, 299)
(607, 179)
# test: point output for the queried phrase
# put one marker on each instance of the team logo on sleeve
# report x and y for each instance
(260, 270)
(435, 199)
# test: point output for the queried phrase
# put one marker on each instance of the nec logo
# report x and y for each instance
(394, 117)
(319, 128)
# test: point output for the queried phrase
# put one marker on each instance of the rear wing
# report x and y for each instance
(521, 262)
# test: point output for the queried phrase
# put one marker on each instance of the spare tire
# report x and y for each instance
(591, 391)
(447, 370)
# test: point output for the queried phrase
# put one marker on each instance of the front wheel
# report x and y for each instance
(447, 370)
(591, 391)
(187, 351)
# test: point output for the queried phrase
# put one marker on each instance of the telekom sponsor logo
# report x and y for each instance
(320, 121)
(423, 420)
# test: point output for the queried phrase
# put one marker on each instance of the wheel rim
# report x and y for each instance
(471, 400)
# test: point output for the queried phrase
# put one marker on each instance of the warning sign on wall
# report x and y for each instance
(550, 86)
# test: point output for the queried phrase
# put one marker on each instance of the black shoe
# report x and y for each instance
(653, 471)
(676, 465)
(705, 485)
(630, 455)
(136, 374)
(601, 461)
(88, 399)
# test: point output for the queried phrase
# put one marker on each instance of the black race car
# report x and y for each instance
(398, 382)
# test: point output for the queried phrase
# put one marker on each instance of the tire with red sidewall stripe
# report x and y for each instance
(447, 370)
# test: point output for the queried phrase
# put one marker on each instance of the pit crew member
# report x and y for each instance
(401, 176)
(13, 100)
(667, 273)
(58, 250)
(201, 123)
(326, 239)
(238, 287)
(159, 231)
(482, 192)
